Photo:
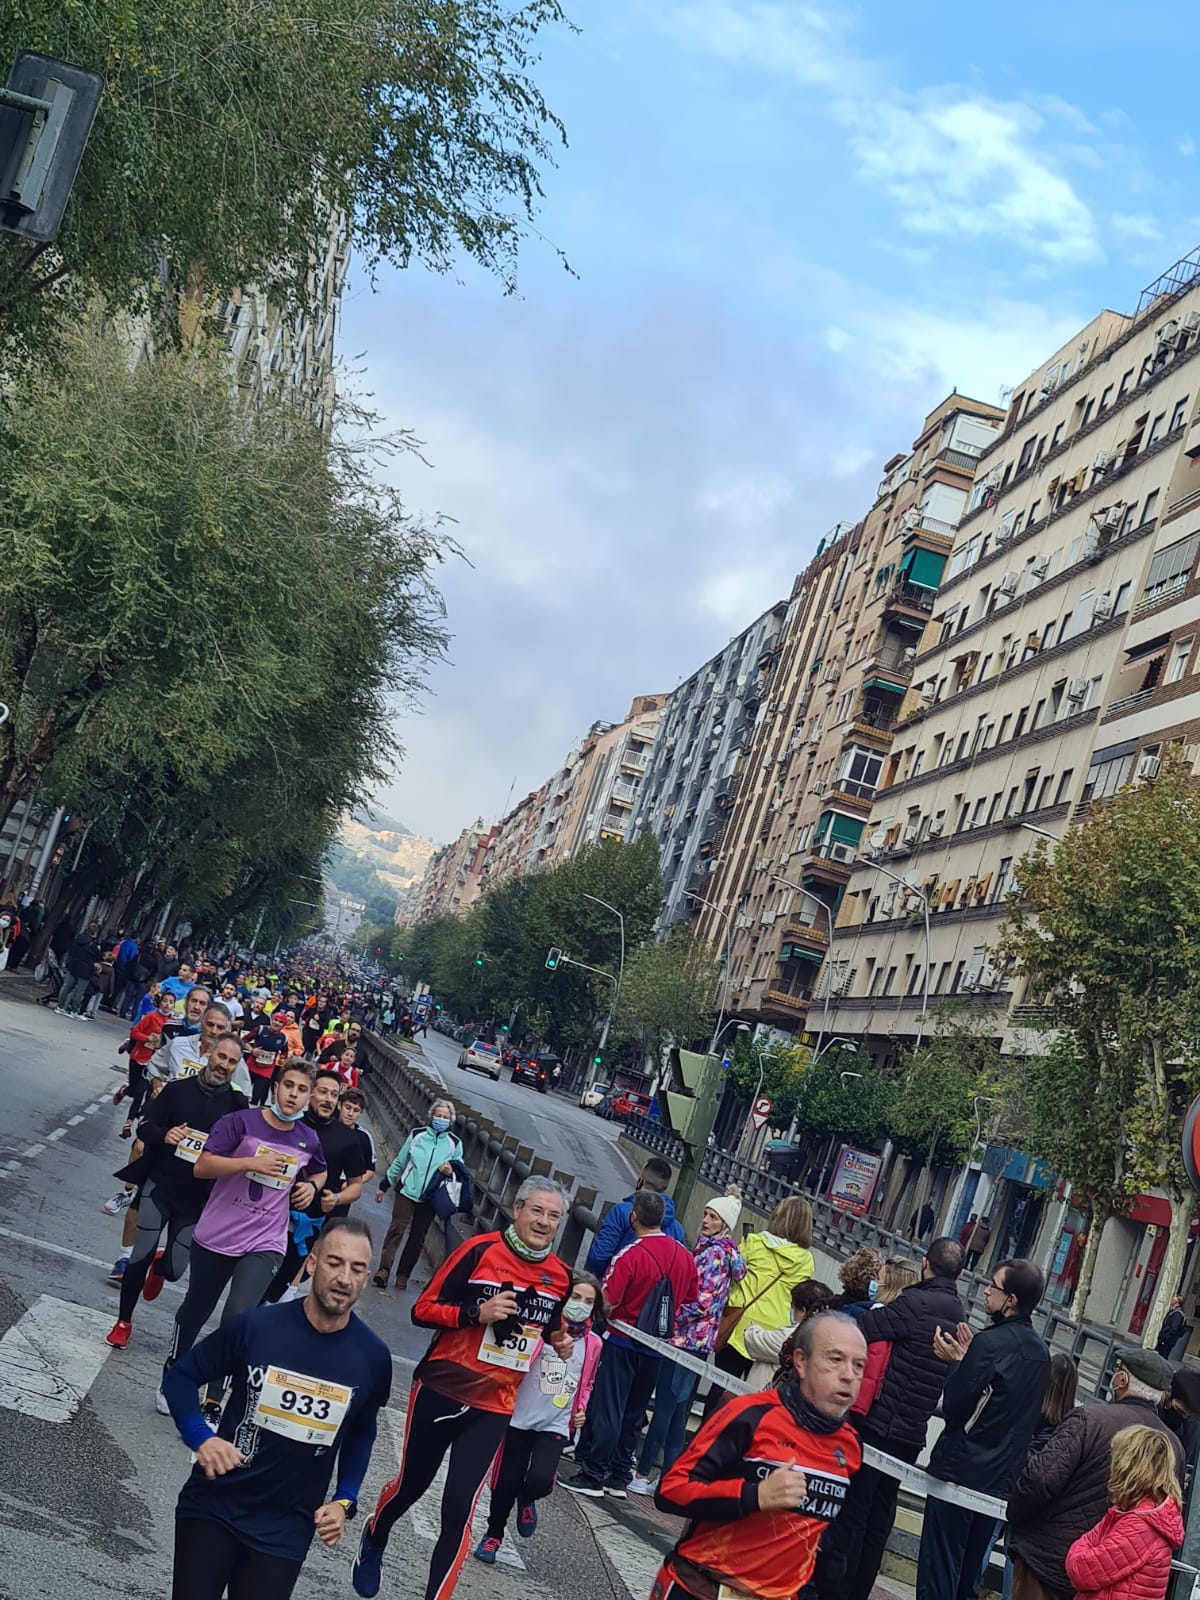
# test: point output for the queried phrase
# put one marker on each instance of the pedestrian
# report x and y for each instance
(777, 1258)
(489, 1304)
(81, 959)
(1174, 1326)
(552, 1400)
(426, 1153)
(308, 1382)
(762, 1480)
(719, 1266)
(766, 1346)
(859, 1278)
(646, 1283)
(903, 1384)
(1127, 1555)
(895, 1275)
(964, 1233)
(992, 1405)
(615, 1232)
(1180, 1410)
(1061, 1491)
(977, 1242)
(921, 1222)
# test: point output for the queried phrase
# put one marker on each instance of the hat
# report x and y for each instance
(728, 1206)
(1147, 1366)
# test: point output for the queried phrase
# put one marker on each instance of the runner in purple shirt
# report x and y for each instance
(266, 1162)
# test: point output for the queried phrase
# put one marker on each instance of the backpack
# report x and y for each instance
(657, 1316)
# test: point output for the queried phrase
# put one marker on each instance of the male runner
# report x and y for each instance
(308, 1382)
(350, 1108)
(490, 1302)
(186, 1053)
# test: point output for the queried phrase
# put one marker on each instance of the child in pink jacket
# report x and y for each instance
(1127, 1555)
(551, 1401)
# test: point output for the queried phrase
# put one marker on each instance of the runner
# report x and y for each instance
(489, 1303)
(185, 1054)
(350, 1108)
(263, 1163)
(308, 1382)
(174, 1134)
(266, 1047)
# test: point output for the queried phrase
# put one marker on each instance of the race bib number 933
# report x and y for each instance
(308, 1410)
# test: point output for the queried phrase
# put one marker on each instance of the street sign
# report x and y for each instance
(424, 1001)
(760, 1112)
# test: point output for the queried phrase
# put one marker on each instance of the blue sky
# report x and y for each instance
(795, 228)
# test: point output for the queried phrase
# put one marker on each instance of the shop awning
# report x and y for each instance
(798, 952)
(1144, 654)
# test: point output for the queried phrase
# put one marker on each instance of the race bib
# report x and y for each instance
(516, 1352)
(308, 1410)
(188, 1068)
(288, 1178)
(726, 1591)
(190, 1146)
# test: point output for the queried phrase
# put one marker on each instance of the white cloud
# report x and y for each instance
(1137, 226)
(1187, 146)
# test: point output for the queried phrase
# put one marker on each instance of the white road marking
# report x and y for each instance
(50, 1359)
(59, 1133)
(34, 1150)
(73, 1122)
(55, 1249)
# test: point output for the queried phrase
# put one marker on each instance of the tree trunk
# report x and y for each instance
(1087, 1266)
(1183, 1209)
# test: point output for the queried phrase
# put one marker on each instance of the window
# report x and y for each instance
(1178, 416)
(1064, 626)
(1064, 785)
(977, 814)
(1105, 398)
(1109, 770)
(889, 980)
(1020, 726)
(1033, 512)
(1121, 602)
(1026, 455)
(859, 772)
(1126, 381)
(1057, 435)
(1004, 726)
(1179, 659)
(1127, 519)
(1169, 568)
(1149, 508)
(1087, 414)
(1156, 428)
(1003, 880)
(1043, 794)
(958, 976)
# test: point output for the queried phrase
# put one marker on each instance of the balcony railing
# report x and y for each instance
(805, 932)
(1129, 703)
(877, 721)
(936, 526)
(913, 595)
(786, 1000)
(1162, 591)
(835, 852)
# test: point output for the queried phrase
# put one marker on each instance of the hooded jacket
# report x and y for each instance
(1063, 1489)
(719, 1266)
(774, 1266)
(912, 1383)
(615, 1233)
(1127, 1555)
(992, 1404)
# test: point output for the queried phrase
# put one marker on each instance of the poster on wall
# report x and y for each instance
(852, 1187)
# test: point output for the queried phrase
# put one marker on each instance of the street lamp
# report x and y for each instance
(596, 900)
(924, 899)
(724, 915)
(1042, 833)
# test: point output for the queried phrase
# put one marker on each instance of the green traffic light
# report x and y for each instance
(597, 1061)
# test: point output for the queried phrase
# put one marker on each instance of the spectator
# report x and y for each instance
(626, 1376)
(991, 1404)
(424, 1154)
(616, 1232)
(859, 1277)
(1180, 1410)
(777, 1259)
(977, 1242)
(1127, 1556)
(719, 1266)
(82, 957)
(769, 1347)
(964, 1233)
(897, 1274)
(910, 1383)
(1062, 1490)
(1174, 1326)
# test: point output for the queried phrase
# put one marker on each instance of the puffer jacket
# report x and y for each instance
(1127, 1555)
(992, 1404)
(719, 1266)
(912, 1384)
(773, 1268)
(1063, 1489)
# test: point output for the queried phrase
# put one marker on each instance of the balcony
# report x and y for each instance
(830, 862)
(635, 760)
(1130, 703)
(797, 931)
(872, 722)
(784, 1001)
(856, 797)
(623, 794)
(909, 599)
(931, 533)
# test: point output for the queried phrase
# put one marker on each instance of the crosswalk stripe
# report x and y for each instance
(50, 1359)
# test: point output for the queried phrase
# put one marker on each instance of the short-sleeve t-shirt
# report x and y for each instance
(245, 1214)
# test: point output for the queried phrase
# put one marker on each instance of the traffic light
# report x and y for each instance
(438, 1006)
(504, 1027)
(479, 959)
(553, 957)
(597, 1060)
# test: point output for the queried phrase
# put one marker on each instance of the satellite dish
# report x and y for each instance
(910, 880)
(875, 842)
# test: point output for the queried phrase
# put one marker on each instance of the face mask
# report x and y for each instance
(440, 1124)
(577, 1312)
(872, 1289)
(286, 1116)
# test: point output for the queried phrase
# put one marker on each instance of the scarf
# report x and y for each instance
(809, 1418)
(517, 1245)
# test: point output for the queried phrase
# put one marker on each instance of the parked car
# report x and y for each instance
(593, 1095)
(481, 1057)
(623, 1104)
(540, 1070)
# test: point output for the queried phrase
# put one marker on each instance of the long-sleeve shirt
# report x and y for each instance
(301, 1401)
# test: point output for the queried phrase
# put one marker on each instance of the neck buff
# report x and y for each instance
(519, 1248)
(805, 1414)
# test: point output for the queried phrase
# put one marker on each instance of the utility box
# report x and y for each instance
(47, 109)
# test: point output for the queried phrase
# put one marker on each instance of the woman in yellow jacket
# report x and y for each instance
(777, 1258)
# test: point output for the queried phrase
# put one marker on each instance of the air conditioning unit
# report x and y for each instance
(743, 922)
(1101, 461)
(1003, 535)
(934, 831)
(1191, 322)
(1076, 689)
(1040, 567)
(1049, 386)
(909, 656)
(1008, 583)
(1091, 545)
(1103, 606)
(888, 904)
(1110, 516)
(909, 834)
(910, 520)
(1147, 766)
(1168, 334)
(980, 973)
(767, 919)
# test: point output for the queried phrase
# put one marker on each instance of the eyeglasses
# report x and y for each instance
(998, 1287)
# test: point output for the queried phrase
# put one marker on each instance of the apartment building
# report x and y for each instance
(453, 879)
(593, 799)
(1042, 678)
(692, 775)
(824, 710)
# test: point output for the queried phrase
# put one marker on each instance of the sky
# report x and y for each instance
(793, 228)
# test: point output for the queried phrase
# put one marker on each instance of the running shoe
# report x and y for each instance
(152, 1287)
(118, 1205)
(118, 1336)
(118, 1269)
(581, 1485)
(616, 1491)
(526, 1518)
(485, 1550)
(160, 1404)
(367, 1572)
(643, 1485)
(120, 1093)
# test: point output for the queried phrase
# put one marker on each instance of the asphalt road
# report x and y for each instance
(91, 1471)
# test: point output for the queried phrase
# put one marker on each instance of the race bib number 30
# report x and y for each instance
(515, 1352)
(308, 1410)
(191, 1145)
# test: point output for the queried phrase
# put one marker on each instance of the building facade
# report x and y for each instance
(594, 797)
(453, 880)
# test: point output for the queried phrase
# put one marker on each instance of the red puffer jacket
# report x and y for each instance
(1127, 1555)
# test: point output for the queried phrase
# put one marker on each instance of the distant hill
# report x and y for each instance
(398, 856)
(377, 821)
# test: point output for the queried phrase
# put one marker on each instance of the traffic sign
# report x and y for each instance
(760, 1112)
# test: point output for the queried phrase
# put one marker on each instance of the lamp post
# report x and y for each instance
(747, 1132)
(924, 899)
(595, 898)
(724, 915)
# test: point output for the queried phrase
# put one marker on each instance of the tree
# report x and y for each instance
(1108, 929)
(668, 996)
(229, 136)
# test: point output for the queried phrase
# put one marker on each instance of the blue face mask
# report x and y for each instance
(872, 1289)
(440, 1124)
(286, 1116)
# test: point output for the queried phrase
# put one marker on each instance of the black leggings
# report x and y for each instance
(737, 1366)
(260, 1090)
(247, 1277)
(153, 1215)
(137, 1090)
(528, 1462)
(212, 1562)
(434, 1426)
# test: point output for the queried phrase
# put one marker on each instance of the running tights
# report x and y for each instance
(153, 1215)
(211, 1561)
(436, 1425)
(247, 1277)
(525, 1472)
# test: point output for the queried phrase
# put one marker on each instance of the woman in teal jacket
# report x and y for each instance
(425, 1153)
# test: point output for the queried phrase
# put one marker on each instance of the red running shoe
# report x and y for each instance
(119, 1336)
(152, 1287)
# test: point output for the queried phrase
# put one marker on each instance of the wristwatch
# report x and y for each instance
(350, 1507)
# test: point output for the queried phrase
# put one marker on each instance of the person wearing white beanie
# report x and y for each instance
(719, 1266)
